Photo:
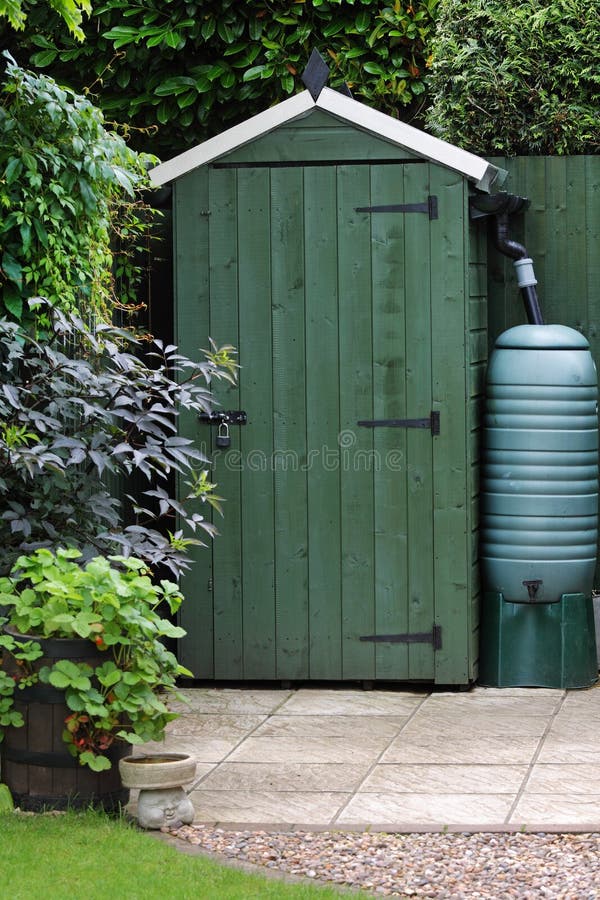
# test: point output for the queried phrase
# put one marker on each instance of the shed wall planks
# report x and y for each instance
(323, 424)
(223, 276)
(192, 324)
(356, 402)
(289, 422)
(450, 364)
(339, 316)
(388, 235)
(420, 235)
(256, 397)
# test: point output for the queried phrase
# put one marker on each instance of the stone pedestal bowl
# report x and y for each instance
(159, 777)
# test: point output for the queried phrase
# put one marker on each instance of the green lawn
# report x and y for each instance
(89, 855)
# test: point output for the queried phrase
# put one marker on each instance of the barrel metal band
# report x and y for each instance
(38, 758)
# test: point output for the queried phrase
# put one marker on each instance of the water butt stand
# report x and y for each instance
(539, 511)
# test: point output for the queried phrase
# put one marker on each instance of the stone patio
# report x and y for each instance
(398, 759)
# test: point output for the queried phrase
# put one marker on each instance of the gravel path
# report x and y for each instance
(561, 866)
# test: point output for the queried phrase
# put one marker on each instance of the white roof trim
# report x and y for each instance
(474, 168)
(435, 150)
(233, 138)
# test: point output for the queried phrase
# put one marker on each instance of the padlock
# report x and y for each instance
(223, 439)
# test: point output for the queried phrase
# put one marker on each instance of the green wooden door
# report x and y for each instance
(328, 528)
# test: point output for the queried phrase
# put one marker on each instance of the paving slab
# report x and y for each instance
(319, 807)
(285, 776)
(397, 759)
(461, 750)
(327, 702)
(443, 779)
(430, 809)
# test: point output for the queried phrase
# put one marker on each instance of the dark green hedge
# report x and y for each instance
(187, 70)
(519, 78)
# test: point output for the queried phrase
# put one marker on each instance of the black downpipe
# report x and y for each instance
(500, 207)
(532, 305)
(517, 251)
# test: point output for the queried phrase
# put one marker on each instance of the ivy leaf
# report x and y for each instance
(13, 301)
(13, 169)
(12, 269)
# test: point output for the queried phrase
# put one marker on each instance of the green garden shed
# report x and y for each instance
(331, 244)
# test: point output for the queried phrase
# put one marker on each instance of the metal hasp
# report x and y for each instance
(430, 207)
(502, 206)
(432, 422)
(224, 417)
(433, 637)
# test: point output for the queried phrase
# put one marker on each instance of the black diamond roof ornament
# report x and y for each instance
(315, 74)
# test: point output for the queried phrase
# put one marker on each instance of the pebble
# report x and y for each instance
(449, 866)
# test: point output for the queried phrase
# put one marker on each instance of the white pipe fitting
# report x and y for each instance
(525, 274)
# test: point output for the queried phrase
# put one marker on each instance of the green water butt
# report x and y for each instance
(540, 466)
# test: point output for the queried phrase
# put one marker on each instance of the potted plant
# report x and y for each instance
(85, 668)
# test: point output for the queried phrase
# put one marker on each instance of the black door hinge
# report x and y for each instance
(433, 637)
(430, 207)
(432, 422)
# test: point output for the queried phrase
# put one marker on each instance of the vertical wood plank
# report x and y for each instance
(449, 280)
(289, 404)
(476, 327)
(531, 183)
(40, 727)
(389, 402)
(227, 550)
(256, 438)
(574, 292)
(592, 245)
(192, 325)
(556, 251)
(420, 442)
(322, 422)
(497, 271)
(592, 264)
(356, 402)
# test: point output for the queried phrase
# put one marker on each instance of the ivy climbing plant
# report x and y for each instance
(68, 187)
(185, 70)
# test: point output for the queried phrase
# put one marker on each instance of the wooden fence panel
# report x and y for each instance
(561, 231)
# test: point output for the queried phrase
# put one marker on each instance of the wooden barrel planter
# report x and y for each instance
(35, 762)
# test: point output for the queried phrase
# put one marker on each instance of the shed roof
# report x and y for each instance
(483, 174)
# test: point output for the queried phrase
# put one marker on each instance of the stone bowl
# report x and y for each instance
(157, 771)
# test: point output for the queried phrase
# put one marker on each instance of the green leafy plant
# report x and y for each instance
(72, 211)
(69, 10)
(185, 70)
(518, 78)
(114, 604)
(81, 407)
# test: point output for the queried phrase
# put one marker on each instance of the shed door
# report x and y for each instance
(328, 530)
